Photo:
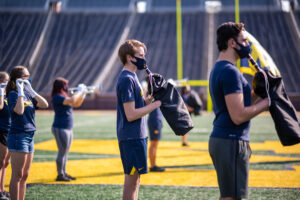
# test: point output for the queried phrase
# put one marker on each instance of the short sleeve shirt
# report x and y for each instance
(226, 79)
(129, 89)
(5, 117)
(63, 117)
(25, 122)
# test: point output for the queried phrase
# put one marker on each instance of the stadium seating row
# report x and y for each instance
(125, 4)
(77, 45)
(19, 35)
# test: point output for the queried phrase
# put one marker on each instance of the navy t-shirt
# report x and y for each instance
(63, 117)
(129, 89)
(26, 121)
(155, 118)
(226, 79)
(5, 117)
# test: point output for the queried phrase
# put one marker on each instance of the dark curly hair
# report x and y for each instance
(226, 31)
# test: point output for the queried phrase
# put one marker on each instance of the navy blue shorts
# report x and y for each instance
(134, 156)
(20, 142)
(154, 132)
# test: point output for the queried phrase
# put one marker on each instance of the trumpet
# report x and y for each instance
(179, 83)
(89, 89)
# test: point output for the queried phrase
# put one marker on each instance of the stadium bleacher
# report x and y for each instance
(158, 32)
(272, 31)
(172, 3)
(76, 48)
(250, 3)
(96, 4)
(78, 44)
(20, 33)
(23, 4)
(297, 16)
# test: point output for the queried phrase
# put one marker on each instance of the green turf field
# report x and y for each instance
(102, 125)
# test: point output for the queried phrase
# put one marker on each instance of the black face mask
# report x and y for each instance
(244, 51)
(140, 63)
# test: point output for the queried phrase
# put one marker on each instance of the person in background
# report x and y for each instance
(22, 103)
(62, 127)
(4, 129)
(154, 122)
(193, 104)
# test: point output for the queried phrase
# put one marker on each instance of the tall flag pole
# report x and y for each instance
(237, 12)
(179, 40)
(237, 20)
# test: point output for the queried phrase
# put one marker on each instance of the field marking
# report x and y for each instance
(75, 156)
(172, 155)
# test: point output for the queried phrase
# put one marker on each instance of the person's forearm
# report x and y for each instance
(251, 111)
(1, 102)
(140, 112)
(254, 97)
(19, 107)
(79, 100)
(42, 102)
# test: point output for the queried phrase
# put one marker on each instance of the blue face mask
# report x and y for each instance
(244, 51)
(140, 63)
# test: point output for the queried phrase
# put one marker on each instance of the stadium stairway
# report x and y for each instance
(108, 70)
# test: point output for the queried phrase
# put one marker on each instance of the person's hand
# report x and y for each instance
(2, 88)
(266, 103)
(157, 81)
(157, 103)
(20, 86)
(29, 89)
(81, 89)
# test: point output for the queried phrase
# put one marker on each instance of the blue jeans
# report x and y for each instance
(20, 142)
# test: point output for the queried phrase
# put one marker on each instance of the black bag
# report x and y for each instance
(173, 107)
(282, 110)
(195, 102)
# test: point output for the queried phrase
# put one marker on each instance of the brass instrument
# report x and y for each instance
(89, 89)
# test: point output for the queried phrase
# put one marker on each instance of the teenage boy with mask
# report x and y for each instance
(131, 116)
(231, 96)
